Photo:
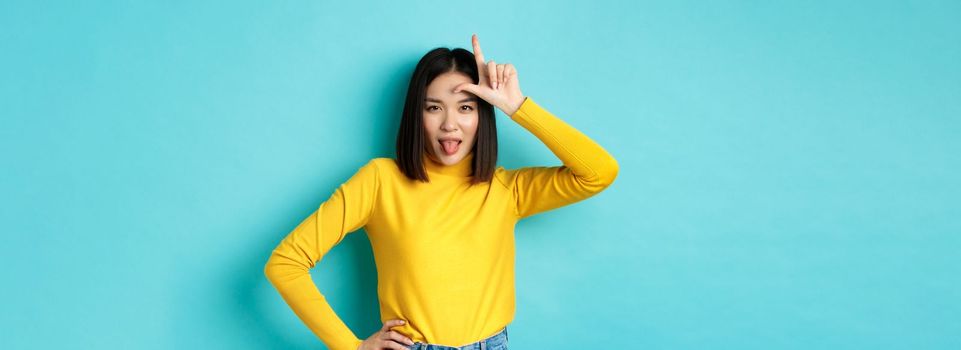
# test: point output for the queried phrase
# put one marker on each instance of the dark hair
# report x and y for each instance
(410, 135)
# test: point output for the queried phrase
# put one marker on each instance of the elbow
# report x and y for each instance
(608, 173)
(270, 269)
(280, 268)
(276, 269)
(604, 176)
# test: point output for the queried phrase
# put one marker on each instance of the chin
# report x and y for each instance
(448, 160)
(451, 160)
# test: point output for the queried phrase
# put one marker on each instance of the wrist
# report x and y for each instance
(511, 107)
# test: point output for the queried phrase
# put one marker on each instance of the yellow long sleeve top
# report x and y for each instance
(444, 250)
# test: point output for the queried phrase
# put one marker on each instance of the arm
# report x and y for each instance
(287, 269)
(588, 168)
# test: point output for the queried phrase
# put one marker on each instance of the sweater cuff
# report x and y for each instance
(525, 108)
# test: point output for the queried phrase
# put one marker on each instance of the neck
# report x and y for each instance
(461, 169)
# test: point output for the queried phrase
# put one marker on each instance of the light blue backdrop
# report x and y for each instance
(789, 173)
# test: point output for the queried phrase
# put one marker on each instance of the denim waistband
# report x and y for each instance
(495, 342)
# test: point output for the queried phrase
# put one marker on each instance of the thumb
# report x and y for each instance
(469, 87)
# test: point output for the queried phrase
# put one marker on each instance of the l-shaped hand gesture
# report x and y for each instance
(497, 83)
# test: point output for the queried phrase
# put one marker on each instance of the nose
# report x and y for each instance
(449, 123)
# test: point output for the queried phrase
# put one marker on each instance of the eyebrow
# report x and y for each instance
(469, 99)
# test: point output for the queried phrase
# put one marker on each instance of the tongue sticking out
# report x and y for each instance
(450, 147)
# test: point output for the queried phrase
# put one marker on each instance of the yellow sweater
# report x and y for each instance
(444, 250)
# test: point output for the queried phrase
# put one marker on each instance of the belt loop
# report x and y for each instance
(483, 345)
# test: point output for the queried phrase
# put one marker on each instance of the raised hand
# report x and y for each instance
(497, 83)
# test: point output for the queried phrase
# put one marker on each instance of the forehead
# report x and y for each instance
(442, 87)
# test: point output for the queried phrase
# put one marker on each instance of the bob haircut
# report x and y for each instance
(411, 137)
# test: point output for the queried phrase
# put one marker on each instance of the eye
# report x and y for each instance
(469, 108)
(429, 108)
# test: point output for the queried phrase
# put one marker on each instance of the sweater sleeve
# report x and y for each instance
(287, 269)
(587, 168)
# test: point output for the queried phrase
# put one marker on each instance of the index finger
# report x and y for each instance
(391, 323)
(477, 50)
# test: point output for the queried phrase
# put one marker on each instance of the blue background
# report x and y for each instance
(789, 172)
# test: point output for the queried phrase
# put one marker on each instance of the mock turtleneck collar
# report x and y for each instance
(461, 169)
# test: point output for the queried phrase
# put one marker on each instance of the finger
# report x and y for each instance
(509, 71)
(391, 323)
(482, 74)
(390, 344)
(492, 74)
(478, 55)
(400, 338)
(469, 87)
(500, 75)
(510, 74)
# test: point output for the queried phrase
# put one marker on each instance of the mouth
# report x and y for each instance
(449, 145)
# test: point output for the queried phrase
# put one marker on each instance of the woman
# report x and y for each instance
(441, 216)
